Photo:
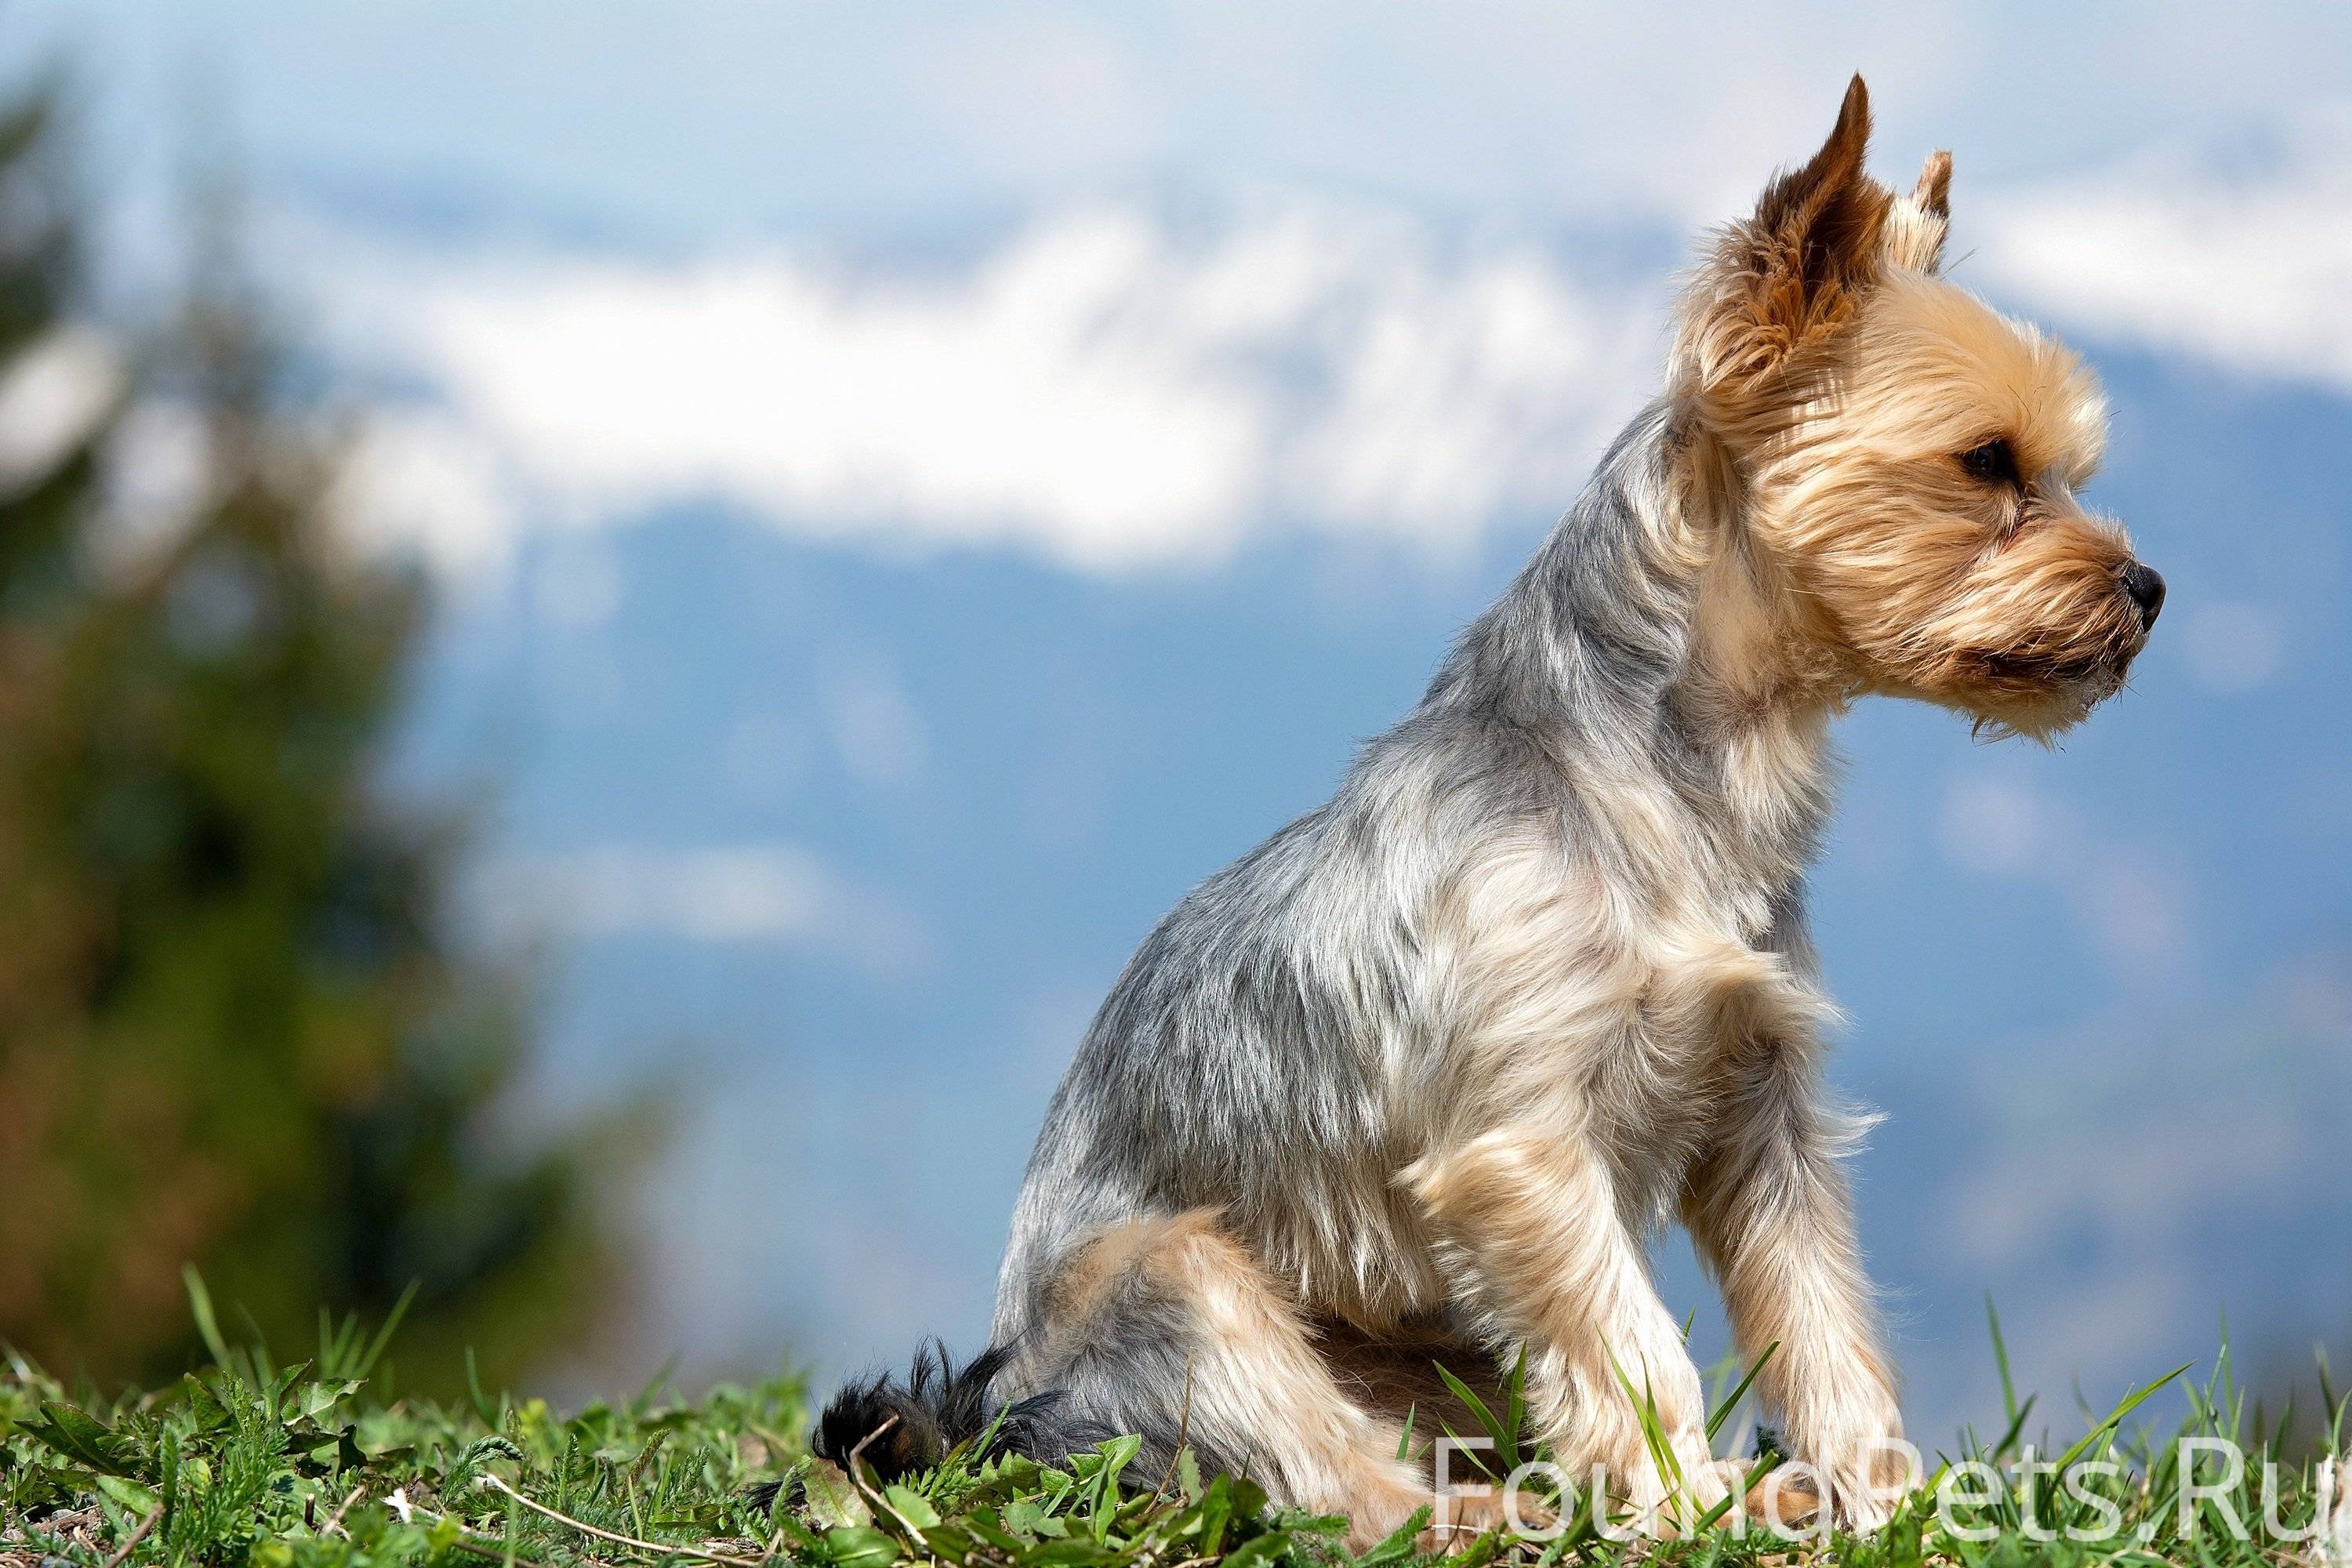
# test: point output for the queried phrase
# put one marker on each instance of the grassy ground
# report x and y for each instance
(251, 1463)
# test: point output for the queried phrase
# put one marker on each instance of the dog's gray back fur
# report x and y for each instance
(1278, 1046)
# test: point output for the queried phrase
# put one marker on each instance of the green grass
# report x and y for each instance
(250, 1462)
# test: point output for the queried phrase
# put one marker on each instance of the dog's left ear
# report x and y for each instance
(1816, 228)
(1791, 275)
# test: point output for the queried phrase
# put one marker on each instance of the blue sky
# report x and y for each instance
(915, 487)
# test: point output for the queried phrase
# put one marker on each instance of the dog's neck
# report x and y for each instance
(1652, 651)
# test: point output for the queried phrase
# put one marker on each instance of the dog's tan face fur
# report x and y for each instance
(1910, 456)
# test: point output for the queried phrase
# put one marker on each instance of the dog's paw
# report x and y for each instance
(1710, 1481)
(1859, 1497)
(1865, 1496)
(1786, 1500)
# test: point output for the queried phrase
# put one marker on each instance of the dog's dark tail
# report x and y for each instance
(898, 1427)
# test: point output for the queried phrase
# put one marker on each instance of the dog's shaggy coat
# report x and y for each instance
(1420, 1077)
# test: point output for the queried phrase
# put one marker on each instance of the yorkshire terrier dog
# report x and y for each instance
(1419, 1079)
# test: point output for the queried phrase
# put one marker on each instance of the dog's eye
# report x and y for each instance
(1993, 462)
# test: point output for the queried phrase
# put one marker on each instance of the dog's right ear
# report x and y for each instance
(1791, 275)
(1915, 223)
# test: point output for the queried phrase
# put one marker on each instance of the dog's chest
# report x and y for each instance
(1654, 1003)
(1657, 1080)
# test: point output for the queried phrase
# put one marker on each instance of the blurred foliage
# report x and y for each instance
(234, 1027)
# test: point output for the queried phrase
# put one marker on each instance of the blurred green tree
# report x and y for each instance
(234, 1028)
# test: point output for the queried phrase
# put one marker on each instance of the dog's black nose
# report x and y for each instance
(2146, 591)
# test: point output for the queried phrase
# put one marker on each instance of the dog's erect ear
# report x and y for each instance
(1915, 223)
(1818, 225)
(1792, 273)
(1933, 194)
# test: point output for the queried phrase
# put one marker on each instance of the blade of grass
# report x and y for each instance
(2130, 1403)
(2000, 1359)
(1515, 1398)
(200, 1305)
(1731, 1402)
(653, 1387)
(482, 1406)
(382, 1339)
(1465, 1450)
(1654, 1435)
(2016, 1427)
(1723, 1504)
(1506, 1442)
(265, 1369)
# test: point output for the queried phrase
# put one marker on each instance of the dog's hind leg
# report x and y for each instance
(1168, 1327)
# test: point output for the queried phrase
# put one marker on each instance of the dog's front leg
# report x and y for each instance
(1769, 1212)
(1528, 1227)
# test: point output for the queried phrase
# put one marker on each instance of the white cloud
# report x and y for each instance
(1117, 392)
(2246, 264)
(1097, 389)
(2132, 898)
(157, 467)
(417, 476)
(881, 738)
(2234, 646)
(763, 892)
(52, 396)
(1993, 825)
(2137, 903)
(2088, 1231)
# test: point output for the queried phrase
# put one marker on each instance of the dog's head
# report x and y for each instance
(1908, 458)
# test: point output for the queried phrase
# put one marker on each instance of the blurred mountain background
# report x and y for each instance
(908, 493)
